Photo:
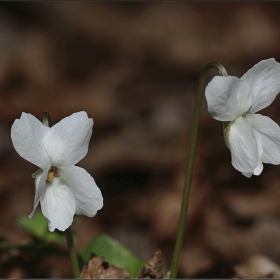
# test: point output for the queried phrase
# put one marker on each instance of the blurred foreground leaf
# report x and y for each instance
(115, 253)
(28, 257)
(38, 227)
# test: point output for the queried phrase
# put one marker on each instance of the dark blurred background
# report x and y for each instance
(134, 68)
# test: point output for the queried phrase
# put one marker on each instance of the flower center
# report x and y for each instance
(51, 174)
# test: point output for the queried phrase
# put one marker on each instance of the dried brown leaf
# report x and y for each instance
(258, 266)
(99, 268)
(153, 268)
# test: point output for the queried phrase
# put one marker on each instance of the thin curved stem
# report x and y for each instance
(190, 165)
(72, 252)
(46, 119)
(68, 232)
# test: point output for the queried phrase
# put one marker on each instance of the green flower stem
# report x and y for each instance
(72, 251)
(46, 119)
(190, 165)
(68, 232)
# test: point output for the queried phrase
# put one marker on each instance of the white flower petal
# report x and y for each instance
(58, 205)
(258, 170)
(248, 175)
(87, 195)
(264, 79)
(243, 146)
(40, 183)
(269, 132)
(67, 141)
(27, 136)
(228, 98)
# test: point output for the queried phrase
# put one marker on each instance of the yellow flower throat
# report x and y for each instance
(51, 174)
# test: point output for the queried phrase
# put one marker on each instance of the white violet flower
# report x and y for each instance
(251, 138)
(62, 188)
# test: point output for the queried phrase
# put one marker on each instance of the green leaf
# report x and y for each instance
(114, 252)
(38, 227)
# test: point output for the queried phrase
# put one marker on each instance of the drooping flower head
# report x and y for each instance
(253, 139)
(62, 188)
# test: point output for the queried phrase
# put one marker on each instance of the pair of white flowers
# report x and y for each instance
(62, 188)
(253, 139)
